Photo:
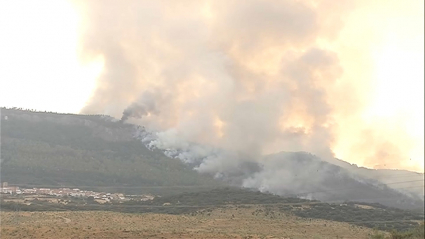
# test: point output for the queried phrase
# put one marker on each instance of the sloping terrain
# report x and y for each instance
(413, 181)
(312, 178)
(98, 152)
(48, 149)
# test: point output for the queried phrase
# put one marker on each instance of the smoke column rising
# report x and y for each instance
(249, 77)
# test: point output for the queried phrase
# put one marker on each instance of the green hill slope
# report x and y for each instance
(84, 151)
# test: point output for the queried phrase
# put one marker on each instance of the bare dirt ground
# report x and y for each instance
(218, 223)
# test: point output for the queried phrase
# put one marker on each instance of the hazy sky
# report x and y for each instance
(377, 61)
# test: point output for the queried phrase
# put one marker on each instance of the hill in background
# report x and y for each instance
(49, 149)
(100, 153)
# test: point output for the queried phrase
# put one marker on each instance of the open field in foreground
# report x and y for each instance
(253, 222)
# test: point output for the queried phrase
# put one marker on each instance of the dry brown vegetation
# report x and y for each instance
(253, 222)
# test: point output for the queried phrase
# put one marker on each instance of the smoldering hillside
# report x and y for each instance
(55, 150)
(40, 149)
(294, 174)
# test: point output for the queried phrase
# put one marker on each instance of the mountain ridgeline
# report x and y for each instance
(86, 151)
(101, 153)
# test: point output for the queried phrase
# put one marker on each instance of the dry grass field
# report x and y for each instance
(254, 222)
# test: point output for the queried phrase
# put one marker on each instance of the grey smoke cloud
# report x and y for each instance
(145, 105)
(240, 78)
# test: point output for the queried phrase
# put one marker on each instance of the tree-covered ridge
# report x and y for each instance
(73, 150)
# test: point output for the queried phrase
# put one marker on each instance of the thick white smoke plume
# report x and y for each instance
(248, 76)
(297, 174)
(237, 79)
(283, 173)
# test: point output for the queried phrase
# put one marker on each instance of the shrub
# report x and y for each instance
(377, 235)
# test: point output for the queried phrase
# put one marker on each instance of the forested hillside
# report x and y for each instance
(98, 152)
(85, 151)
